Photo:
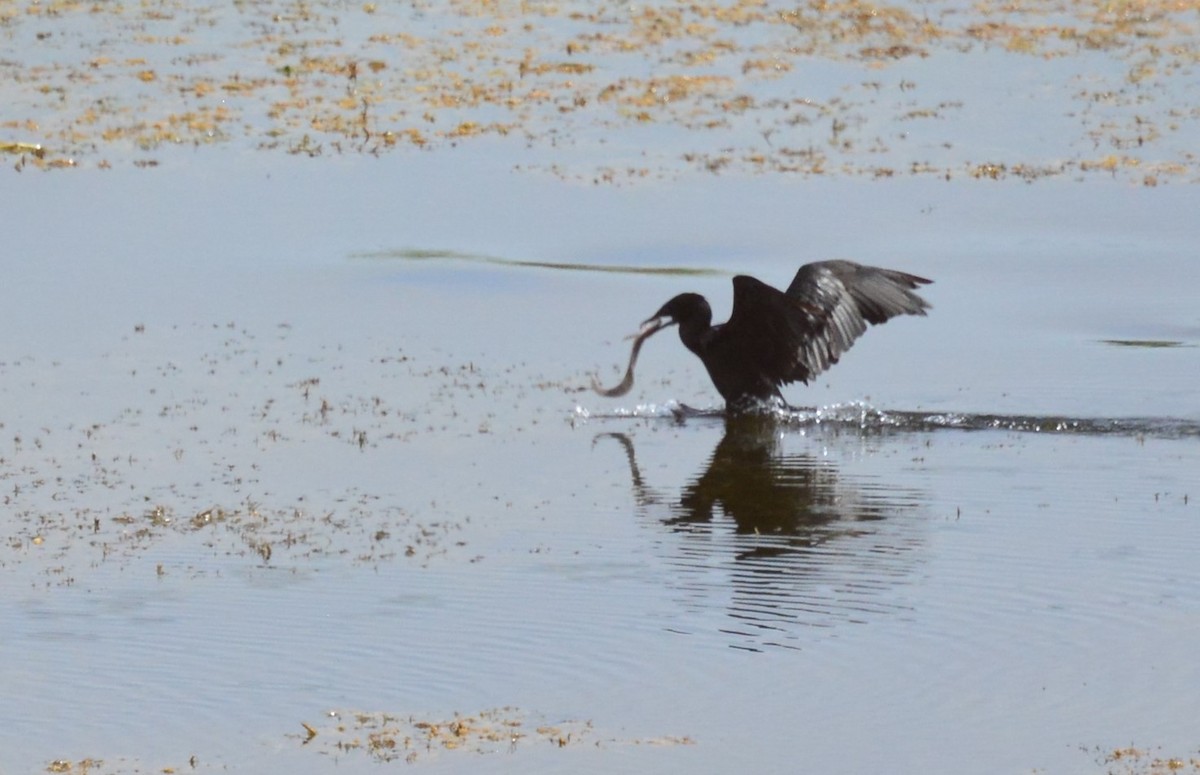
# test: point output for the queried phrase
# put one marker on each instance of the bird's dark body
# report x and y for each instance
(774, 338)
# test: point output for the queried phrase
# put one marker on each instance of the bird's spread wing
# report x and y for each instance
(795, 335)
(767, 328)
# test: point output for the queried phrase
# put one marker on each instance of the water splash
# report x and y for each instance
(861, 416)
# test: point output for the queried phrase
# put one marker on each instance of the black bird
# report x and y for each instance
(772, 337)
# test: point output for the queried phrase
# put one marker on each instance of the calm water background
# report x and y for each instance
(943, 600)
(237, 350)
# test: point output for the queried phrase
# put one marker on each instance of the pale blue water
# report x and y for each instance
(257, 465)
(929, 597)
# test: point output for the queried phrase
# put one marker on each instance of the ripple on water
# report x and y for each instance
(774, 538)
(772, 541)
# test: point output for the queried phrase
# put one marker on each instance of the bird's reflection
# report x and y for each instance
(755, 484)
(795, 540)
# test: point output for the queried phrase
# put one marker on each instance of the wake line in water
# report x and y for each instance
(1158, 427)
(864, 417)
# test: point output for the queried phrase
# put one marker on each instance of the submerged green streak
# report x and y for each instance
(1143, 343)
(418, 254)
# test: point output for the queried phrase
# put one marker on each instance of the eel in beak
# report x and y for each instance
(648, 329)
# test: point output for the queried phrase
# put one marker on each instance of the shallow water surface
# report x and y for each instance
(260, 466)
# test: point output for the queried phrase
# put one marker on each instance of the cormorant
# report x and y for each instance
(775, 337)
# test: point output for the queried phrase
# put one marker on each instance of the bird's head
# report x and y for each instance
(683, 309)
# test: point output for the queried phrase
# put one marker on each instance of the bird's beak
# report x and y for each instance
(651, 326)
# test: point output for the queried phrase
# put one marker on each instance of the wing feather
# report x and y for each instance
(795, 335)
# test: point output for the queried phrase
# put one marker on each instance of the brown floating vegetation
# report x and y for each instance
(731, 80)
(113, 510)
(389, 737)
(1131, 760)
(411, 738)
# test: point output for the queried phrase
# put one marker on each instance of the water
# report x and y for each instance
(252, 477)
(263, 468)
